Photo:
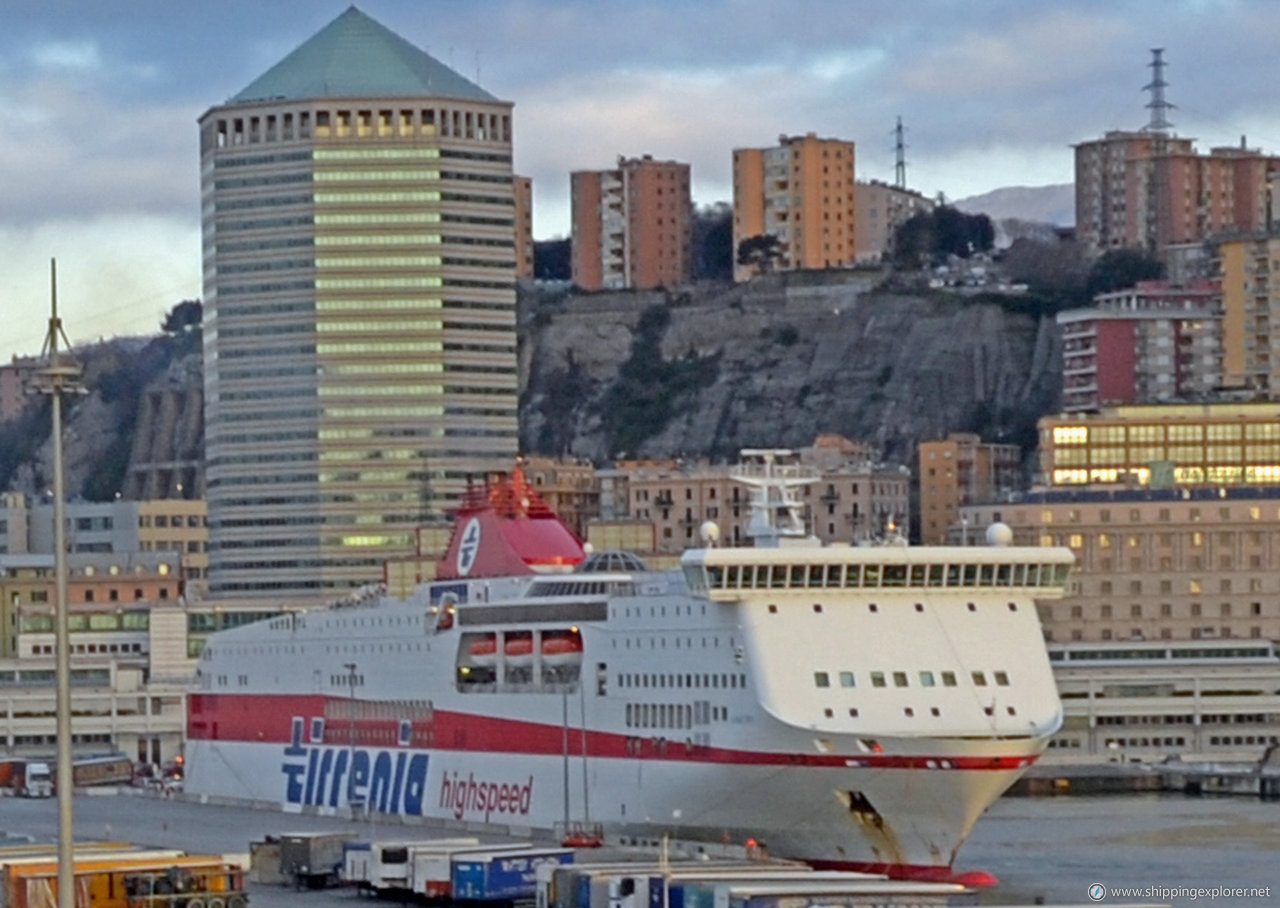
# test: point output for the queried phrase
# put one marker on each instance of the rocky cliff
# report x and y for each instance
(776, 362)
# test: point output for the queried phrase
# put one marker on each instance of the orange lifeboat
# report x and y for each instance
(561, 649)
(519, 649)
(484, 651)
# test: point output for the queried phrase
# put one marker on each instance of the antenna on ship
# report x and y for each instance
(777, 515)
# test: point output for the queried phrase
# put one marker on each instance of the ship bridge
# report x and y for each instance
(729, 575)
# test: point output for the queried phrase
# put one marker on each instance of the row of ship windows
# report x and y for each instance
(673, 715)
(901, 679)
(1214, 741)
(721, 681)
(799, 576)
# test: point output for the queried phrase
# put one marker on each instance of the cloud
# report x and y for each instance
(72, 55)
(116, 275)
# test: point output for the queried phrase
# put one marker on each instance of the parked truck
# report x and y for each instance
(312, 859)
(32, 779)
(502, 876)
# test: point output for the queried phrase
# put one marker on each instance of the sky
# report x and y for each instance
(100, 98)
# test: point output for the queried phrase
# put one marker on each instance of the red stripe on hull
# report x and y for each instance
(267, 718)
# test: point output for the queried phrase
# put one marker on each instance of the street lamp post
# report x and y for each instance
(56, 379)
(351, 737)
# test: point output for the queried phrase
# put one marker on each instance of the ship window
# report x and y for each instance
(1012, 710)
(1033, 574)
(833, 574)
(797, 576)
(778, 576)
(853, 576)
(817, 608)
(715, 577)
(948, 679)
(933, 710)
(732, 576)
(1060, 574)
(773, 609)
(970, 575)
(953, 575)
(872, 607)
(987, 575)
(926, 679)
(908, 711)
(895, 575)
(919, 607)
(899, 679)
(817, 575)
(871, 575)
(1019, 575)
(1002, 678)
(972, 607)
(629, 716)
(846, 679)
(877, 679)
(979, 679)
(1013, 606)
(989, 710)
(936, 574)
(917, 575)
(828, 713)
(1004, 575)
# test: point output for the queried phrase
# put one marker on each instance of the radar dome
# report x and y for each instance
(999, 534)
(709, 533)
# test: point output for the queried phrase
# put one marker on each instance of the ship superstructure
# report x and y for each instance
(856, 707)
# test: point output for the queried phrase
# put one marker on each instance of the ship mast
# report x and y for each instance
(777, 515)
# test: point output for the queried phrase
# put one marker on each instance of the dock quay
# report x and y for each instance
(1259, 779)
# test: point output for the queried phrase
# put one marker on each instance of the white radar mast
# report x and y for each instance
(777, 515)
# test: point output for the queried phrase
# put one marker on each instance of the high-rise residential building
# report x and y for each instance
(631, 225)
(1162, 446)
(359, 321)
(1150, 343)
(802, 192)
(957, 471)
(523, 189)
(880, 209)
(1149, 190)
(1249, 268)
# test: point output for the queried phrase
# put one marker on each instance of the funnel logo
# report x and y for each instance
(469, 546)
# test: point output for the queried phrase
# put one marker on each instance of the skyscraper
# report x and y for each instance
(359, 261)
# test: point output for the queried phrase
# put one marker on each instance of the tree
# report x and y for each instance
(1054, 270)
(184, 316)
(760, 252)
(944, 231)
(1118, 269)
(551, 260)
(712, 242)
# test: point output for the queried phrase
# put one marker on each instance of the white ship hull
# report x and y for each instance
(847, 727)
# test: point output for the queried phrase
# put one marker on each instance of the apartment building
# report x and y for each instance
(14, 378)
(962, 470)
(1151, 343)
(523, 190)
(1156, 564)
(801, 191)
(1249, 270)
(879, 210)
(1162, 446)
(359, 309)
(1151, 190)
(631, 225)
(851, 499)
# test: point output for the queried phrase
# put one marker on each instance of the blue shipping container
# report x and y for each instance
(500, 877)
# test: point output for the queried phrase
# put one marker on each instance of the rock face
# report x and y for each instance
(776, 363)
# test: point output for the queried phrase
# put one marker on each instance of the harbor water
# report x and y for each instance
(1040, 848)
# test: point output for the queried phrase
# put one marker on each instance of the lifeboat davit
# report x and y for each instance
(561, 649)
(519, 650)
(484, 652)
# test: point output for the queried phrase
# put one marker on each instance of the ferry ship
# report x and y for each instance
(856, 707)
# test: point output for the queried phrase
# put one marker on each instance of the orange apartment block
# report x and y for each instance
(631, 225)
(958, 471)
(803, 192)
(1151, 190)
(1249, 268)
(523, 189)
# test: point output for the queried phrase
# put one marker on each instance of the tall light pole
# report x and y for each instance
(351, 739)
(55, 379)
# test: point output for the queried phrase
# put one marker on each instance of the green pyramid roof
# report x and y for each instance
(354, 56)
